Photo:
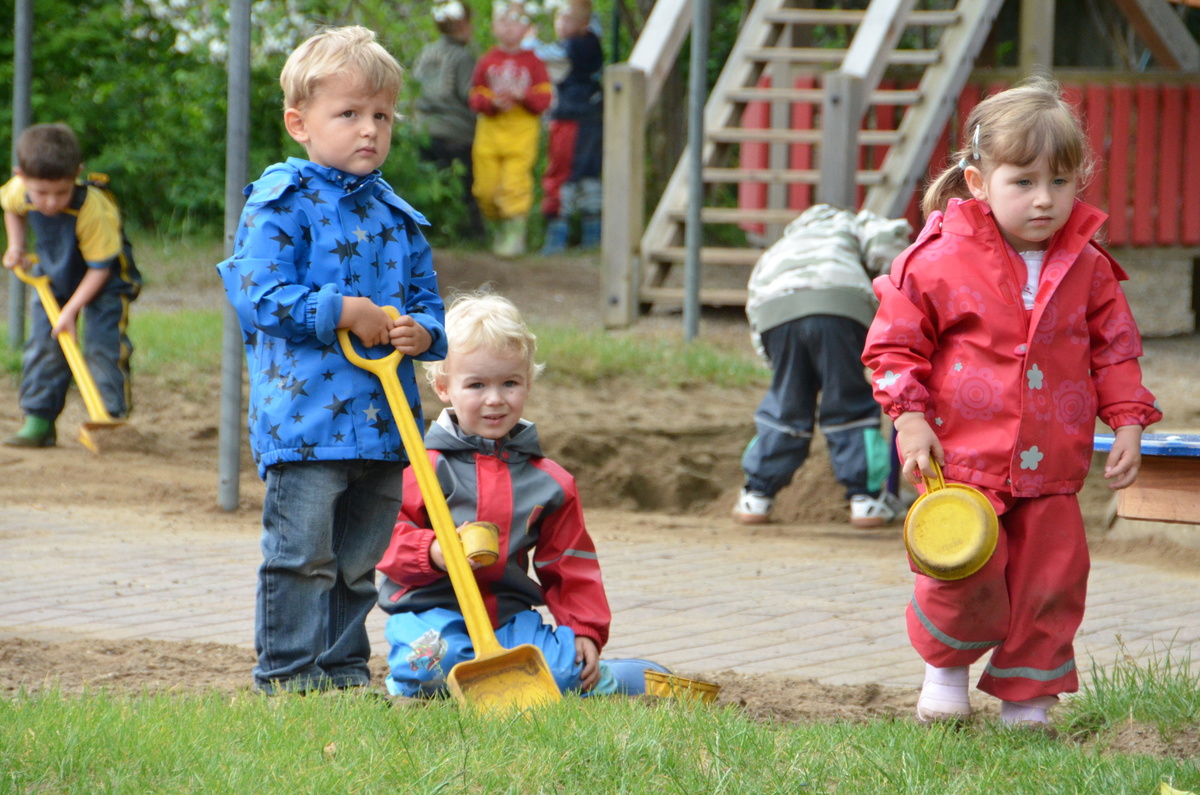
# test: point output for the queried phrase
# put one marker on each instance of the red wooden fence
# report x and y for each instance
(1145, 135)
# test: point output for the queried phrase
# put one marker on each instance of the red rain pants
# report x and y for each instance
(1026, 603)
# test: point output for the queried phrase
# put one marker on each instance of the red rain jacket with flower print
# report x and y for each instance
(1012, 394)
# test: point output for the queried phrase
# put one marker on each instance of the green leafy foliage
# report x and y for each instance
(143, 84)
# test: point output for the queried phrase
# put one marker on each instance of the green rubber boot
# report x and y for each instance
(36, 432)
(512, 238)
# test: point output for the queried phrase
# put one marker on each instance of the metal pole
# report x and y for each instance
(237, 166)
(697, 89)
(22, 114)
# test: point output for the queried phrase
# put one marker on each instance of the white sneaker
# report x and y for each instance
(867, 511)
(944, 696)
(1031, 713)
(752, 508)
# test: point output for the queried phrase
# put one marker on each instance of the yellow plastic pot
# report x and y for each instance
(951, 530)
(672, 686)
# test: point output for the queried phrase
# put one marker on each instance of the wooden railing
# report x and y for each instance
(1143, 129)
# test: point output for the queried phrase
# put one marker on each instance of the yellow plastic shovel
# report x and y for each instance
(99, 418)
(498, 680)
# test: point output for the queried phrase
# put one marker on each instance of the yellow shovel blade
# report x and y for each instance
(513, 679)
(86, 429)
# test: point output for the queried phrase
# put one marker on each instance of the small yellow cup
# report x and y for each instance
(481, 542)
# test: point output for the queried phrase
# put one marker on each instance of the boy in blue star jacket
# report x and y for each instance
(324, 244)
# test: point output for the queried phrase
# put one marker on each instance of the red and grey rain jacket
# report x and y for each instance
(533, 501)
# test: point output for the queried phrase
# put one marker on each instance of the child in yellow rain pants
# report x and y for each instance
(509, 90)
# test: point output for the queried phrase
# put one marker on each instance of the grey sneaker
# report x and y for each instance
(752, 508)
(868, 511)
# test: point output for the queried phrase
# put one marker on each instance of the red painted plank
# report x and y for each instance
(886, 118)
(800, 195)
(1073, 94)
(1096, 120)
(967, 100)
(913, 212)
(1144, 144)
(1189, 232)
(1118, 165)
(753, 154)
(1170, 165)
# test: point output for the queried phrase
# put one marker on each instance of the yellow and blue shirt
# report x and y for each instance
(86, 234)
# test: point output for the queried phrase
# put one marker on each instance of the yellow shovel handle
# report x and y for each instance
(79, 369)
(462, 578)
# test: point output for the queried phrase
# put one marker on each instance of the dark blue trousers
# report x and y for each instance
(817, 380)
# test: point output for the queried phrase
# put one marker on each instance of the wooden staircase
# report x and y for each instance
(929, 47)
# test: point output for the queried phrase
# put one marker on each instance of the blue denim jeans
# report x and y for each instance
(425, 647)
(326, 524)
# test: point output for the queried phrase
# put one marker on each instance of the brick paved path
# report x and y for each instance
(725, 600)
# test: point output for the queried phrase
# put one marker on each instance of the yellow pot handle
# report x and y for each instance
(937, 481)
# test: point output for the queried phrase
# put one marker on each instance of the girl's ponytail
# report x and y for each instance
(950, 184)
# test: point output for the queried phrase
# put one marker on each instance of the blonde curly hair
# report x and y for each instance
(485, 320)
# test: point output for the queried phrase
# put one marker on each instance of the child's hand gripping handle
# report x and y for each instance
(937, 481)
(479, 626)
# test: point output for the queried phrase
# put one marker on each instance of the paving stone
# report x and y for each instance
(748, 608)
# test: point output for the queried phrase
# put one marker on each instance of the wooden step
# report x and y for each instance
(837, 16)
(737, 135)
(834, 55)
(709, 255)
(677, 295)
(816, 96)
(780, 176)
(736, 215)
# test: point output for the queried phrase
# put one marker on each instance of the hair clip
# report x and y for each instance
(975, 143)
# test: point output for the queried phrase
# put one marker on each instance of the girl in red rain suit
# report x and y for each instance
(1002, 333)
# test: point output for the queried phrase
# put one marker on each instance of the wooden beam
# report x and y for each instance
(1037, 35)
(874, 43)
(659, 43)
(1163, 32)
(919, 131)
(1167, 490)
(624, 187)
(840, 118)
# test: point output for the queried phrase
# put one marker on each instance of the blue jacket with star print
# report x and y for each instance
(310, 235)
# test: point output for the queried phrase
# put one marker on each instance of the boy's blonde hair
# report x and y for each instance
(334, 51)
(1015, 127)
(485, 320)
